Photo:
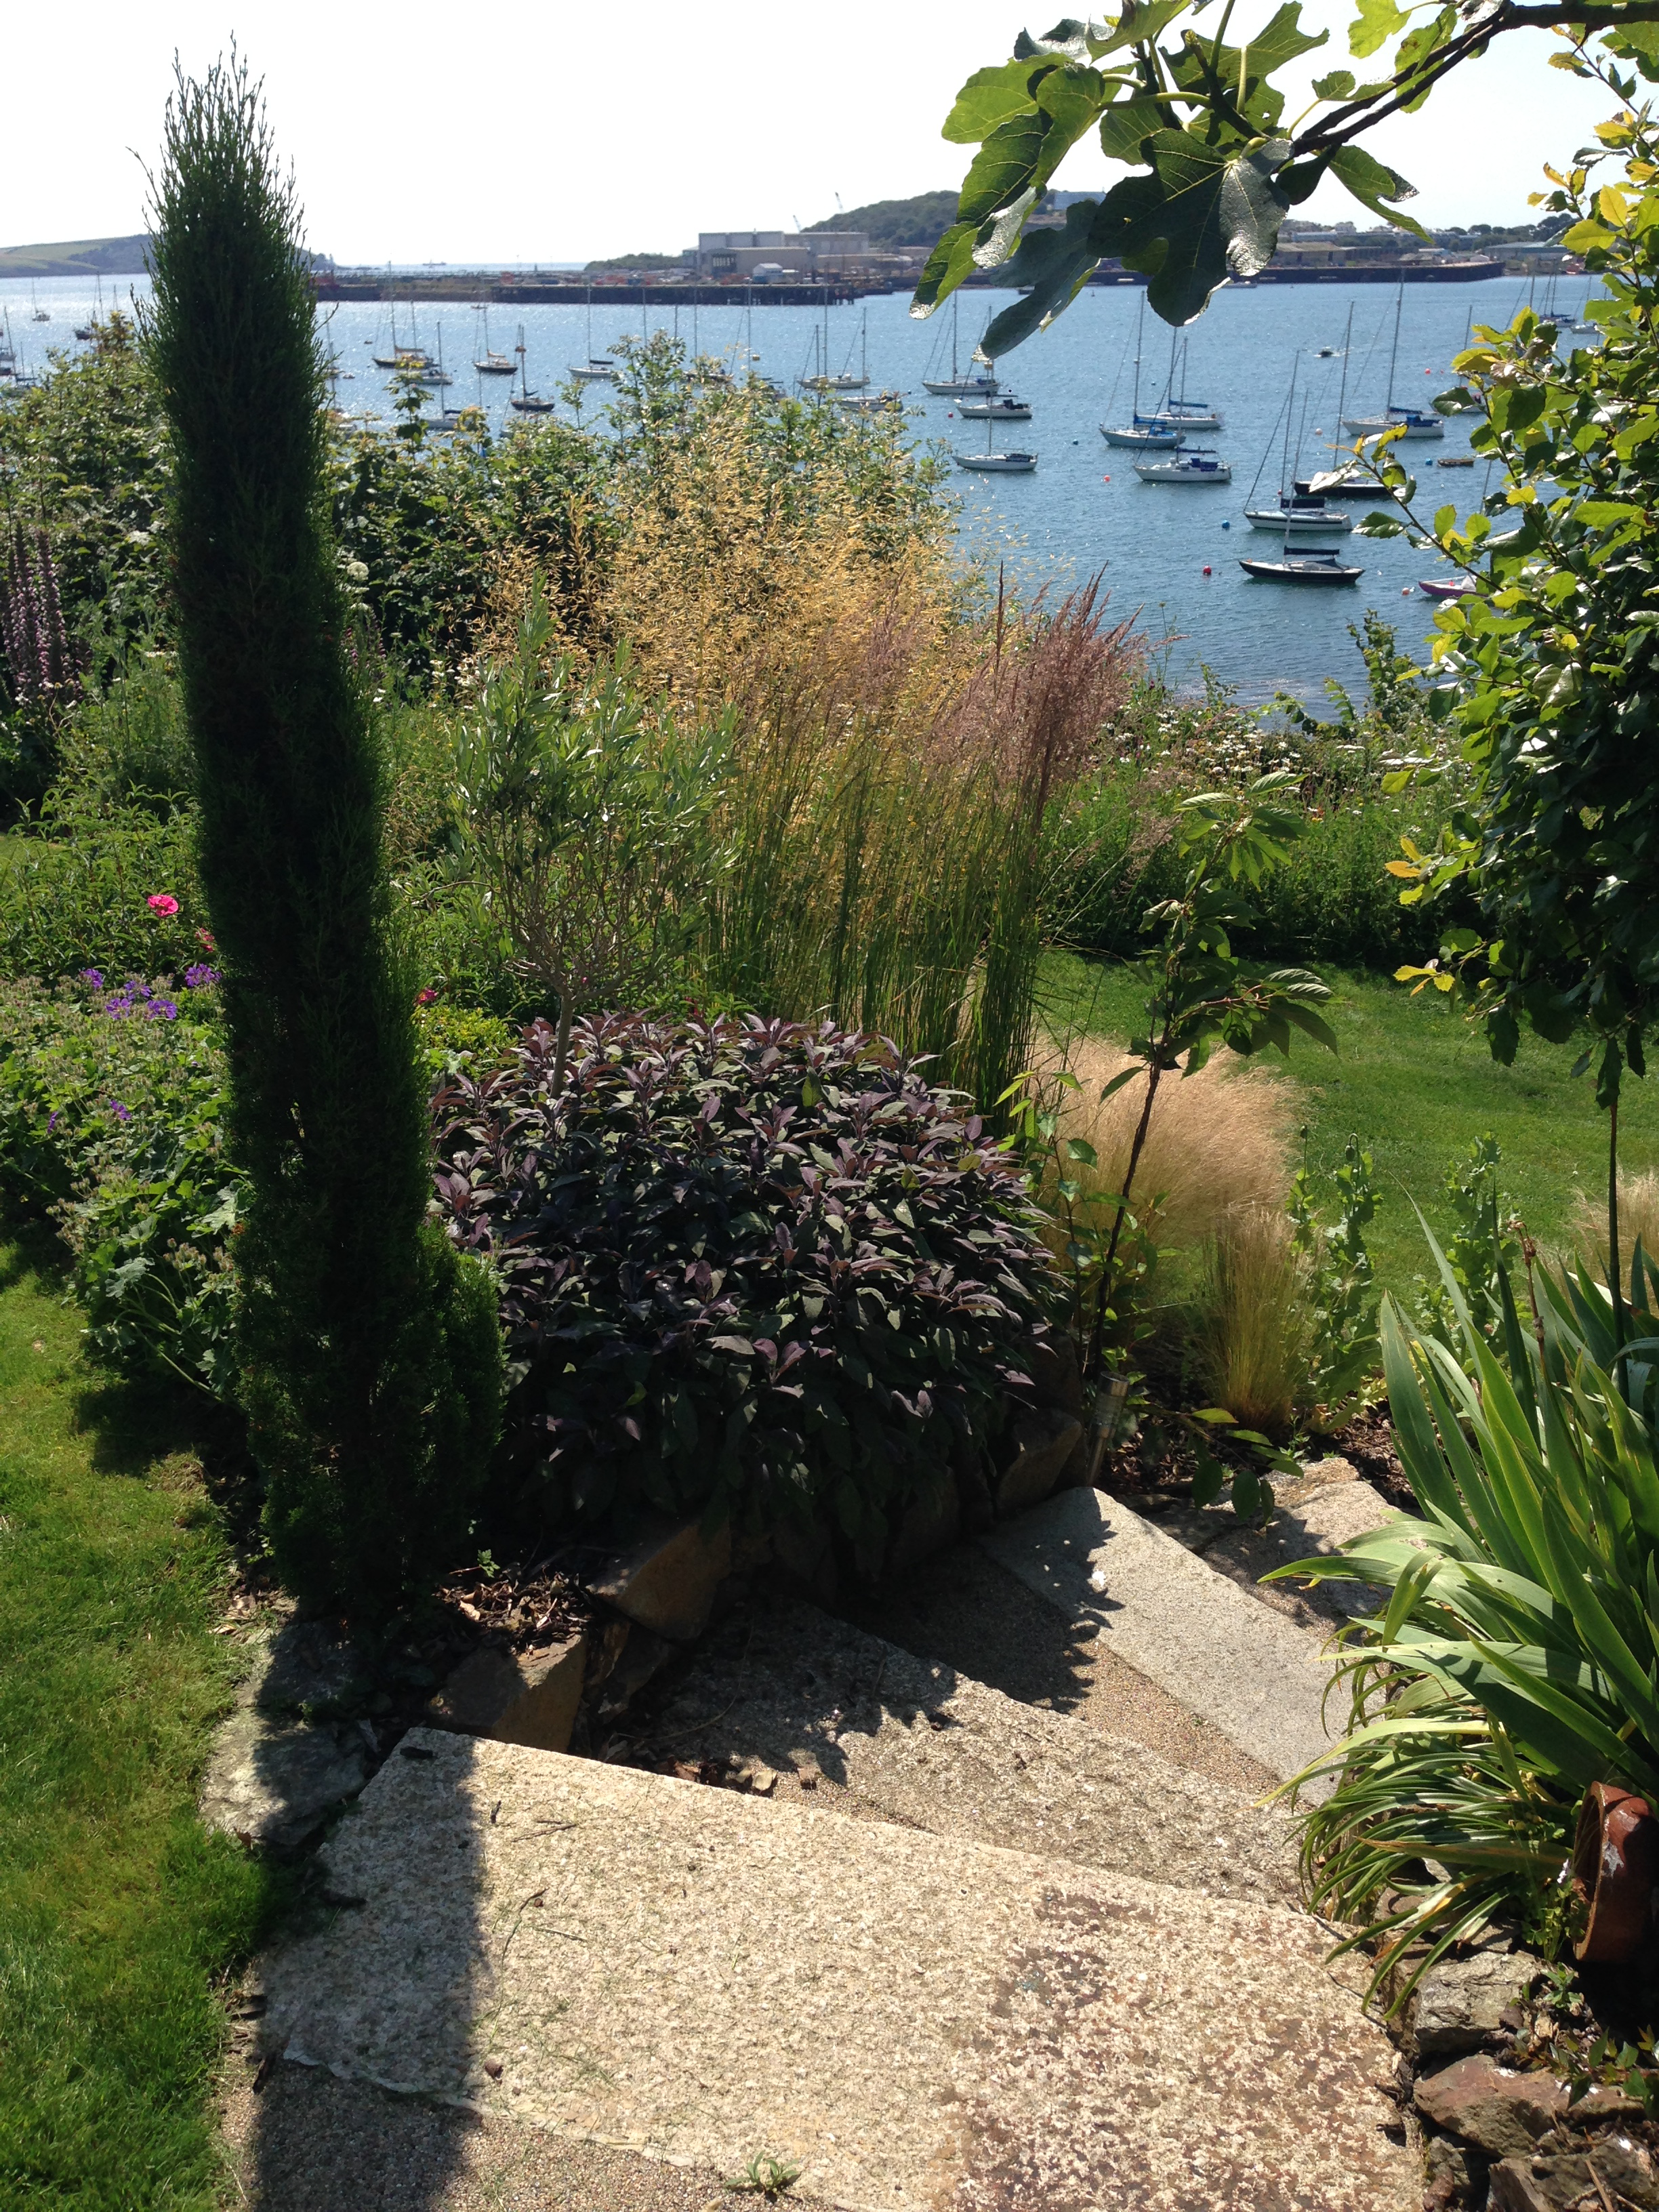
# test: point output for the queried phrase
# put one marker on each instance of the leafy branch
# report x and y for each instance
(1199, 123)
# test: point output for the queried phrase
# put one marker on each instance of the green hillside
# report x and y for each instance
(917, 221)
(78, 257)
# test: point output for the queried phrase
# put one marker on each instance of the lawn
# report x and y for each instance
(1416, 1086)
(116, 1910)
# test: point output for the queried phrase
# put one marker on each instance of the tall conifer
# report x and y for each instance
(371, 1356)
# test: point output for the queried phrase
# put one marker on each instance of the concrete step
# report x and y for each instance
(922, 2027)
(1259, 1678)
(813, 1709)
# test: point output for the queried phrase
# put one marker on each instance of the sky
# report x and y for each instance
(424, 131)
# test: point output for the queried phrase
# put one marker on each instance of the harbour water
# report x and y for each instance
(1168, 555)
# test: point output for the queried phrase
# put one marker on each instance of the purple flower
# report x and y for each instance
(52, 1118)
(93, 976)
(201, 977)
(160, 1010)
(115, 1007)
(121, 1113)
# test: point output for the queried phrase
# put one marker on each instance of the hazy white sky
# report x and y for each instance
(434, 130)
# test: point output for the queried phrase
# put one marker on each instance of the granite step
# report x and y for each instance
(922, 2024)
(785, 1700)
(1257, 1676)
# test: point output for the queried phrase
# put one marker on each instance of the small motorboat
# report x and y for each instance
(1312, 564)
(1003, 465)
(870, 403)
(598, 369)
(1446, 587)
(1198, 467)
(1299, 511)
(1454, 460)
(1004, 408)
(1163, 442)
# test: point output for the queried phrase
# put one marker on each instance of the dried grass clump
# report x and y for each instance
(1217, 1142)
(1639, 1217)
(1250, 1319)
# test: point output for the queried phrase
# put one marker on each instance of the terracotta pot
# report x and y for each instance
(1616, 1869)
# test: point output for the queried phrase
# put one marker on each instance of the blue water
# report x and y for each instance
(1084, 510)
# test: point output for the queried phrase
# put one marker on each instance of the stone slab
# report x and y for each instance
(1310, 1518)
(271, 1784)
(866, 1730)
(659, 1967)
(1259, 1678)
(666, 1583)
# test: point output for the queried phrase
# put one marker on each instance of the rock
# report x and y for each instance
(517, 1697)
(1051, 1363)
(1038, 1443)
(642, 1655)
(1627, 2167)
(1499, 2111)
(932, 1524)
(668, 1582)
(805, 1553)
(1538, 2184)
(302, 1665)
(1459, 2003)
(271, 1784)
(1451, 2173)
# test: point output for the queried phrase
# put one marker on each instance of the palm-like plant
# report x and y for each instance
(1517, 1659)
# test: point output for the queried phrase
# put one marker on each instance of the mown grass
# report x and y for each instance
(1417, 1087)
(118, 1913)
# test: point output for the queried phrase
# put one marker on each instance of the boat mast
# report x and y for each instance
(1285, 478)
(1342, 396)
(1140, 333)
(956, 316)
(1394, 350)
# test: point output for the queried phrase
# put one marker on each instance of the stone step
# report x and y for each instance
(1314, 1513)
(1259, 1678)
(812, 1710)
(657, 1967)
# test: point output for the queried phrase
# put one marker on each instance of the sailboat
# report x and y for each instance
(1003, 408)
(89, 329)
(598, 368)
(1155, 437)
(447, 417)
(990, 462)
(1352, 480)
(825, 381)
(410, 356)
(1195, 465)
(38, 314)
(528, 402)
(1312, 564)
(490, 363)
(980, 384)
(1292, 514)
(1181, 414)
(1410, 422)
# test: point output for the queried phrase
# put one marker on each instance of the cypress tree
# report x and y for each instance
(370, 1353)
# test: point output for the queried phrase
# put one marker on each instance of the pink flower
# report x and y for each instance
(204, 939)
(162, 902)
(425, 998)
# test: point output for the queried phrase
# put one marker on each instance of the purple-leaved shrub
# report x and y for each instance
(754, 1269)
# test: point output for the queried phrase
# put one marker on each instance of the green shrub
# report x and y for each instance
(111, 1111)
(78, 888)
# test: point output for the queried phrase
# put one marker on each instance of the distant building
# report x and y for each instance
(798, 256)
